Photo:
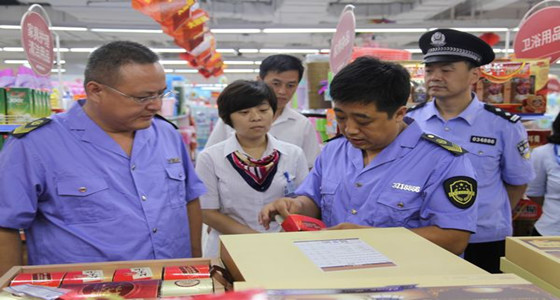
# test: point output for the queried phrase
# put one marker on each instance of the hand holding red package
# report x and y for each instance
(296, 222)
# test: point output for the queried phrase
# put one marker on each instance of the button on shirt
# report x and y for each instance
(401, 186)
(547, 184)
(79, 196)
(232, 196)
(290, 126)
(492, 142)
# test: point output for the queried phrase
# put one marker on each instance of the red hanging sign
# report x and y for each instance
(37, 42)
(539, 35)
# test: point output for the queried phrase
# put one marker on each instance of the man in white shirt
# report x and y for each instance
(282, 73)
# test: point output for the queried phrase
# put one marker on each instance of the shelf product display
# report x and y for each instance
(517, 85)
(126, 279)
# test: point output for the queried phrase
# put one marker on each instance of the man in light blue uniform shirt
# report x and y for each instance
(496, 141)
(384, 171)
(107, 180)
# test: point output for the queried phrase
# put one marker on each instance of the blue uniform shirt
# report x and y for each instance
(402, 186)
(80, 198)
(498, 151)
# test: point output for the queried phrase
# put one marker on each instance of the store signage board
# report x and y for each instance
(342, 42)
(539, 35)
(37, 42)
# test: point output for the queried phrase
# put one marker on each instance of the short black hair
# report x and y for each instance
(370, 80)
(242, 94)
(104, 63)
(280, 63)
(554, 138)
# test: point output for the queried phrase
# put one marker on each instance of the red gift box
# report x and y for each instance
(186, 272)
(124, 289)
(52, 279)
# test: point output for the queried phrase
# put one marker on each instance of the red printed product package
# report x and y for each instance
(130, 274)
(85, 276)
(186, 272)
(124, 289)
(53, 279)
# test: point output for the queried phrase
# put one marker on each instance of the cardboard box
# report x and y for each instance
(109, 268)
(272, 259)
(538, 255)
(489, 286)
(507, 266)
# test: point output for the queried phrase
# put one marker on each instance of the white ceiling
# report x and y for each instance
(262, 14)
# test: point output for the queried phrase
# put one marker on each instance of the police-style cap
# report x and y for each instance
(448, 45)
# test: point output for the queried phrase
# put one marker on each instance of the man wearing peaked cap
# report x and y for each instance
(495, 139)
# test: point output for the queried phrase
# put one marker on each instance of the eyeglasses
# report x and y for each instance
(142, 100)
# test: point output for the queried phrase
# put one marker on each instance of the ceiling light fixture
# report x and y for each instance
(168, 50)
(123, 30)
(13, 49)
(226, 50)
(248, 50)
(241, 70)
(305, 51)
(247, 30)
(82, 50)
(10, 27)
(299, 30)
(391, 30)
(64, 28)
(186, 71)
(23, 61)
(239, 62)
(172, 62)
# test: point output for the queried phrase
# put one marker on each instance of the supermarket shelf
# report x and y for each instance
(8, 127)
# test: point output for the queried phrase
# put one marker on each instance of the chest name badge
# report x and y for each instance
(174, 160)
(483, 140)
(406, 187)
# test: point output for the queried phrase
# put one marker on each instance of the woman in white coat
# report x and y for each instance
(248, 170)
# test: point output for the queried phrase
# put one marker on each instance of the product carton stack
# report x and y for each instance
(536, 259)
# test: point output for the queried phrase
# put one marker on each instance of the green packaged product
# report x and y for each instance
(19, 105)
(3, 106)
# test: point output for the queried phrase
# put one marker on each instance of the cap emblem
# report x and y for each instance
(438, 39)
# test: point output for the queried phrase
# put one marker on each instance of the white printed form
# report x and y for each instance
(343, 254)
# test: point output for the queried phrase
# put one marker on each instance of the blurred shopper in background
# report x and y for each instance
(545, 189)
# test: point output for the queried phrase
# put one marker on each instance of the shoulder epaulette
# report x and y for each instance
(333, 138)
(415, 107)
(22, 130)
(447, 145)
(513, 118)
(162, 118)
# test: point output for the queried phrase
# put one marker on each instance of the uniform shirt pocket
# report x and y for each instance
(485, 160)
(176, 190)
(398, 208)
(328, 192)
(85, 200)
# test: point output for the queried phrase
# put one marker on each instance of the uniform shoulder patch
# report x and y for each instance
(22, 130)
(415, 107)
(513, 118)
(447, 145)
(333, 138)
(162, 118)
(461, 191)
